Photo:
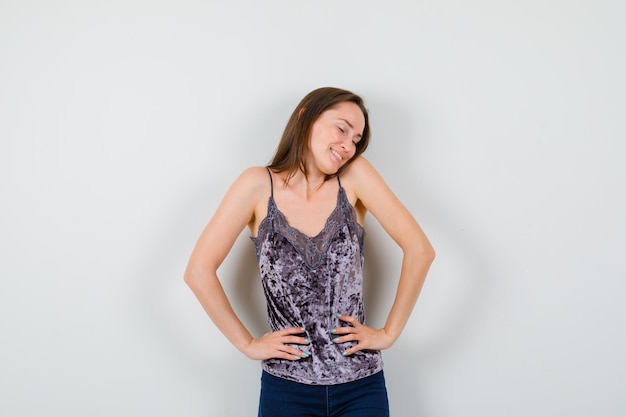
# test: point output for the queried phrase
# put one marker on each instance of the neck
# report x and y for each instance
(308, 184)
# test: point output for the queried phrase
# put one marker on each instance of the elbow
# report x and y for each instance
(198, 276)
(189, 279)
(424, 254)
(192, 278)
(427, 255)
(430, 254)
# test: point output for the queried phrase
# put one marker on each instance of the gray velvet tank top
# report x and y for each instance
(307, 281)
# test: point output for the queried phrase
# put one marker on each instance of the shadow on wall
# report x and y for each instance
(450, 322)
(181, 335)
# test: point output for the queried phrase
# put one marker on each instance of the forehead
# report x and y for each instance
(347, 111)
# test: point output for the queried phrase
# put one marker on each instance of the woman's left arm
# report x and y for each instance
(418, 254)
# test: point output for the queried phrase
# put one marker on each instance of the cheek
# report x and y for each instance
(350, 155)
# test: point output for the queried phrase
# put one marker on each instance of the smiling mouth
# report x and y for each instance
(336, 154)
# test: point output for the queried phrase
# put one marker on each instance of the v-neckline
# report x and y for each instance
(324, 228)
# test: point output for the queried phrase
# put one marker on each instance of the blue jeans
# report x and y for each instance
(365, 397)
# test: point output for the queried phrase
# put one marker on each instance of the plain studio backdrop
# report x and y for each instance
(500, 125)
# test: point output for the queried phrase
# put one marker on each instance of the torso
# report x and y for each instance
(308, 276)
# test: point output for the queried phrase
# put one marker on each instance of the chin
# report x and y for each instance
(334, 171)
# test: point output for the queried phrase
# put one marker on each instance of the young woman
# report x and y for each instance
(305, 212)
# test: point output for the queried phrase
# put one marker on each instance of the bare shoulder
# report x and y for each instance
(252, 180)
(250, 192)
(362, 184)
(254, 175)
(360, 175)
(372, 194)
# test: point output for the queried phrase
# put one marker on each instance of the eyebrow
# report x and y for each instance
(352, 127)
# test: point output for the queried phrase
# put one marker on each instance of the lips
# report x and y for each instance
(336, 155)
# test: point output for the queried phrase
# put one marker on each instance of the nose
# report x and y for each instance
(347, 148)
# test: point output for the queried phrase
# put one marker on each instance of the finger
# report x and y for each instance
(290, 356)
(351, 351)
(294, 354)
(343, 330)
(296, 340)
(348, 319)
(354, 349)
(346, 339)
(291, 330)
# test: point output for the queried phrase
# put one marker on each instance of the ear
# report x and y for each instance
(301, 111)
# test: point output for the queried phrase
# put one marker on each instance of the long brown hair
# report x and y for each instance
(293, 148)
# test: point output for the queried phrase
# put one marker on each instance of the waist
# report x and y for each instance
(326, 365)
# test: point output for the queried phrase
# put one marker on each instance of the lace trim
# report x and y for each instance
(312, 249)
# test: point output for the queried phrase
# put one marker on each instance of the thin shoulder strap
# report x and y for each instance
(271, 181)
(339, 181)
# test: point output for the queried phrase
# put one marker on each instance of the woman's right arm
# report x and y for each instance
(236, 210)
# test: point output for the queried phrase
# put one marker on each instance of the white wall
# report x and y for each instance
(499, 123)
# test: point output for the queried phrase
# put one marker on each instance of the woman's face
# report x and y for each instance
(334, 136)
